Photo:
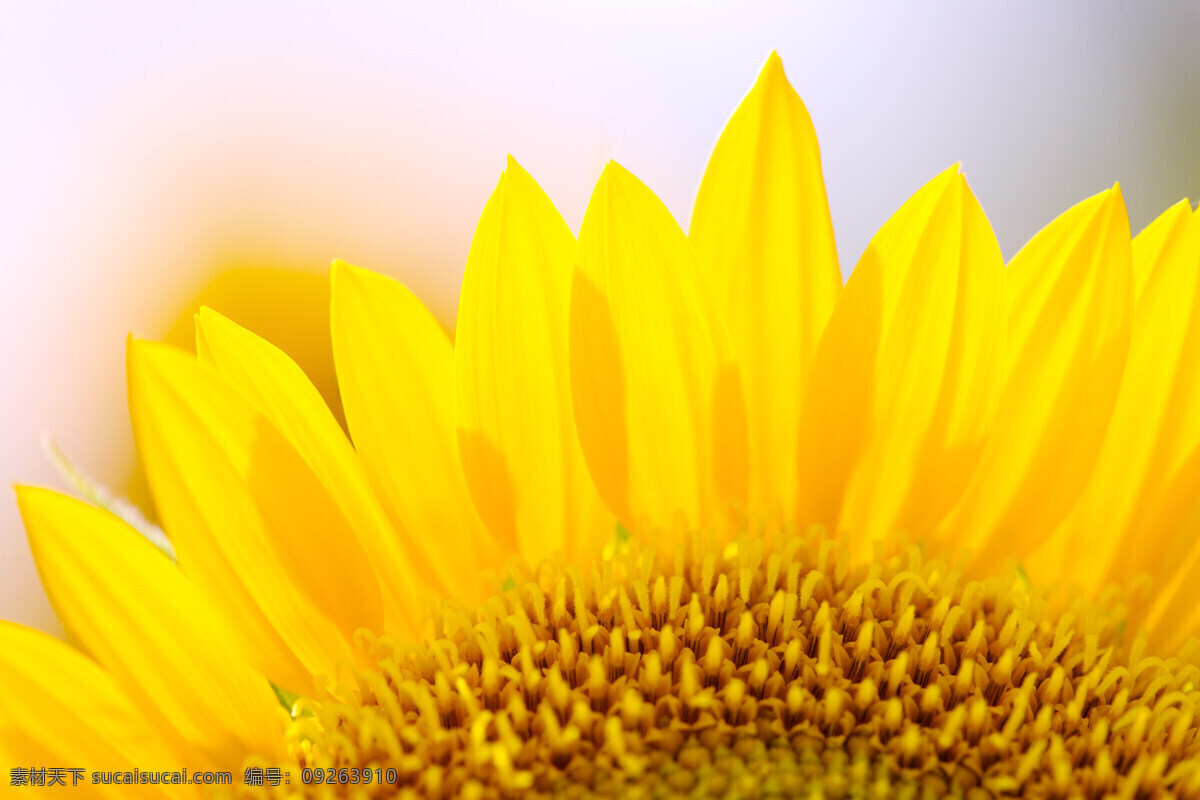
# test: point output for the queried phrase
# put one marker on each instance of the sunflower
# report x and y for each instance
(672, 514)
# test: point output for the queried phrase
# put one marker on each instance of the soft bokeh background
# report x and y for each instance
(158, 155)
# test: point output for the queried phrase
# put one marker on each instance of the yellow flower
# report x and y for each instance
(583, 548)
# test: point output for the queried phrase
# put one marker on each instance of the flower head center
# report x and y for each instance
(765, 670)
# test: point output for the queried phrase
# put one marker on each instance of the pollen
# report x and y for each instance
(767, 670)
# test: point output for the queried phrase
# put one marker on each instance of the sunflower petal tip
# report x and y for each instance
(952, 171)
(958, 177)
(209, 323)
(206, 316)
(949, 179)
(31, 501)
(1114, 199)
(134, 348)
(514, 171)
(772, 69)
(1179, 209)
(613, 173)
(341, 271)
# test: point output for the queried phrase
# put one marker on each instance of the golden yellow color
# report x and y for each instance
(762, 234)
(671, 513)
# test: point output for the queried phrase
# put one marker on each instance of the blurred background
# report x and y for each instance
(155, 156)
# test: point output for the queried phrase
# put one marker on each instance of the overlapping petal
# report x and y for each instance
(1070, 299)
(516, 427)
(147, 624)
(904, 380)
(656, 390)
(59, 708)
(1138, 514)
(395, 367)
(281, 391)
(761, 231)
(248, 517)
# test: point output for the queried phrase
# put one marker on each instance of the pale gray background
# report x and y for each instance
(146, 147)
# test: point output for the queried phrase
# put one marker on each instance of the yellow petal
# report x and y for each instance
(150, 627)
(1158, 250)
(1172, 615)
(904, 380)
(761, 231)
(656, 391)
(281, 391)
(516, 430)
(242, 507)
(1155, 425)
(395, 367)
(1069, 294)
(59, 708)
(1140, 514)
